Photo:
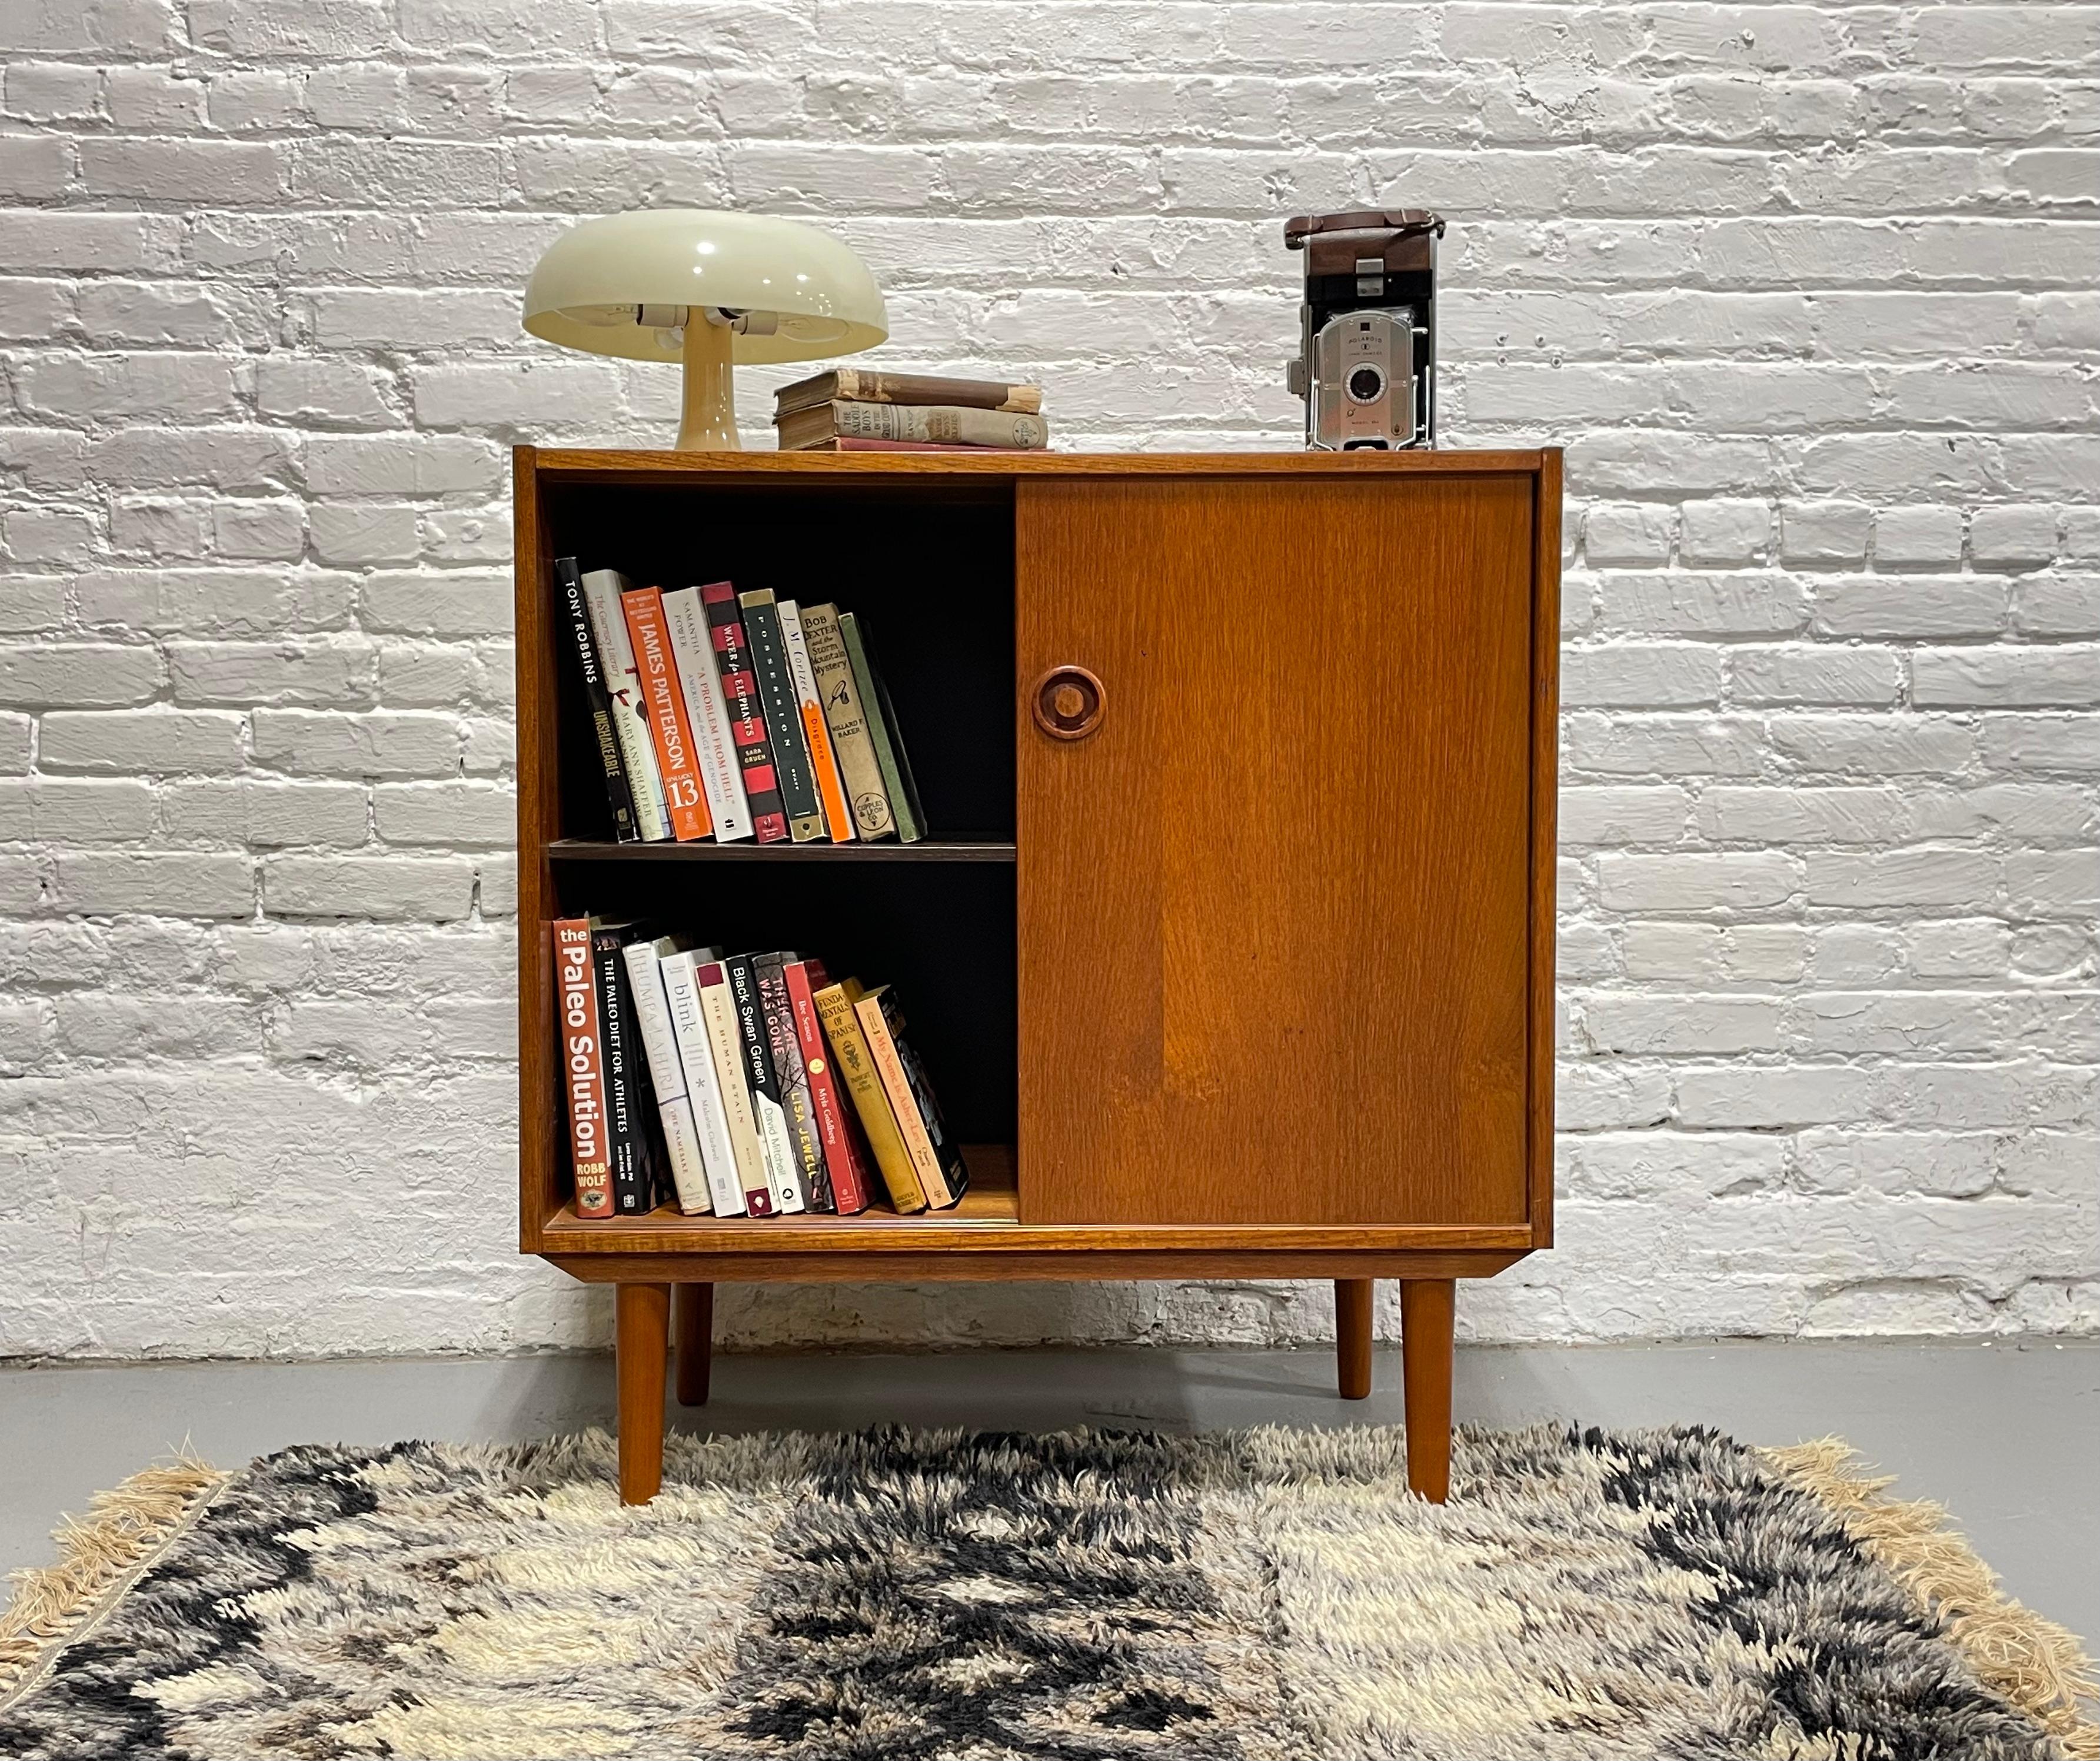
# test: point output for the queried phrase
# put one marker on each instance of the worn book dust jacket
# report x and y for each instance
(839, 692)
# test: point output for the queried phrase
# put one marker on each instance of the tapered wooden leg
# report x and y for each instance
(1426, 1310)
(641, 1330)
(1352, 1336)
(693, 1312)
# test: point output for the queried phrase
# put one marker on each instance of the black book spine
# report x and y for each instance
(746, 714)
(741, 971)
(783, 716)
(619, 791)
(630, 1100)
(785, 1049)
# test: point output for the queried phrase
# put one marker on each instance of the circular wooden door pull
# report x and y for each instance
(1068, 703)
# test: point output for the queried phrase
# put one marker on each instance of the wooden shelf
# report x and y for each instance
(559, 465)
(926, 850)
(993, 1200)
(988, 1221)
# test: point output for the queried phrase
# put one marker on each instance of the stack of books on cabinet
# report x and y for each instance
(852, 410)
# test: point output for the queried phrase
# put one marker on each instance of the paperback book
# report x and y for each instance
(629, 1102)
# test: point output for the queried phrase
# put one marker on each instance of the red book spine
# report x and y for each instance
(835, 1130)
(582, 1065)
(670, 728)
(754, 751)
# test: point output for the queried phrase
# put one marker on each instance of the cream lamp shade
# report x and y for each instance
(708, 289)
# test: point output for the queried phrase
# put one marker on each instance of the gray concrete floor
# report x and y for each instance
(2006, 1435)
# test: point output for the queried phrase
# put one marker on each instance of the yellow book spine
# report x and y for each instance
(903, 1102)
(835, 1007)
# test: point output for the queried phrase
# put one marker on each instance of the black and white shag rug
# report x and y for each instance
(1266, 1596)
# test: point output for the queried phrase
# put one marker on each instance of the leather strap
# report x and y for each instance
(1335, 243)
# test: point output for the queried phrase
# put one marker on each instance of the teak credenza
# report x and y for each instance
(1232, 954)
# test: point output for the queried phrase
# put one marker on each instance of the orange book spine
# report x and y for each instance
(816, 725)
(837, 821)
(910, 1127)
(670, 728)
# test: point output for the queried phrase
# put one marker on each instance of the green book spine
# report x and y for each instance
(896, 780)
(783, 716)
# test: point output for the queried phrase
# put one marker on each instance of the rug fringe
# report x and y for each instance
(123, 1528)
(2038, 1665)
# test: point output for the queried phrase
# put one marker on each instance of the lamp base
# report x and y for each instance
(707, 411)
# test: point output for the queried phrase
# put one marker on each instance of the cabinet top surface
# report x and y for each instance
(582, 463)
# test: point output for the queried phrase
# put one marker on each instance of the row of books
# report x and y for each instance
(739, 1085)
(851, 410)
(727, 715)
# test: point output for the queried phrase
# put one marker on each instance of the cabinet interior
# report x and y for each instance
(930, 570)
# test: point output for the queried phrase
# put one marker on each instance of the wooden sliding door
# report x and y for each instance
(1273, 835)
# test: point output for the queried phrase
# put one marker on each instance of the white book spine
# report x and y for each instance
(784, 1170)
(688, 1026)
(804, 676)
(721, 774)
(667, 1075)
(630, 715)
(688, 1174)
(726, 1042)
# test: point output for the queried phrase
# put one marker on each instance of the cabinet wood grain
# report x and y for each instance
(1275, 928)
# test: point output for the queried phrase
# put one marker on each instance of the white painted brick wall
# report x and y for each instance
(1806, 290)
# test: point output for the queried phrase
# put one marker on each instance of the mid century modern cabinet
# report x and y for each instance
(1232, 952)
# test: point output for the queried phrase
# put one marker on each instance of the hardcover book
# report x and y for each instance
(816, 730)
(628, 1103)
(669, 729)
(714, 743)
(896, 779)
(602, 589)
(784, 1170)
(620, 797)
(746, 715)
(859, 384)
(939, 1164)
(953, 423)
(843, 1157)
(783, 716)
(853, 444)
(842, 1028)
(667, 1075)
(726, 1042)
(678, 968)
(582, 1065)
(785, 1049)
(859, 768)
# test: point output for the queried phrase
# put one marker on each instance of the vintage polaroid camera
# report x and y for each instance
(1367, 361)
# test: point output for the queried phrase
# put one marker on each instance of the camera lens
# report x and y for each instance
(1365, 383)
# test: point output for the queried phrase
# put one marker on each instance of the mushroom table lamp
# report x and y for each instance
(708, 288)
